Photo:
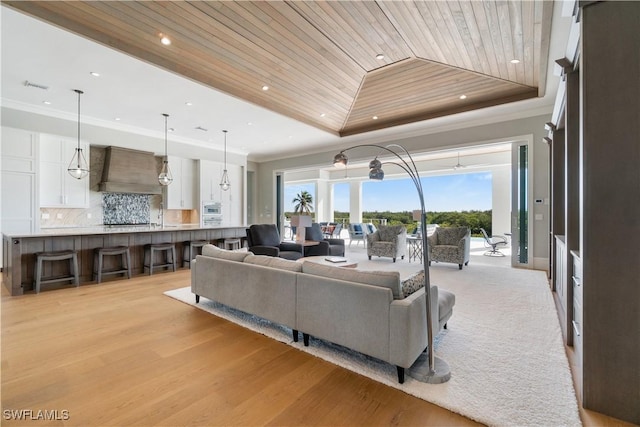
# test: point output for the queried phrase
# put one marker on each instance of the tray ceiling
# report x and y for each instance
(319, 59)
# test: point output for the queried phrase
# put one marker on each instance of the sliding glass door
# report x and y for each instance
(521, 209)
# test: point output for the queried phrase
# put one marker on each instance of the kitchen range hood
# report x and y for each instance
(129, 171)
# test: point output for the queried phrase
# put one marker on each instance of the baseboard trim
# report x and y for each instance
(541, 264)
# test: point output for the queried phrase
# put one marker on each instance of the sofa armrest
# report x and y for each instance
(265, 250)
(408, 326)
(192, 266)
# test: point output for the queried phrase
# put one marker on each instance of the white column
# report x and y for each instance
(501, 200)
(323, 200)
(355, 201)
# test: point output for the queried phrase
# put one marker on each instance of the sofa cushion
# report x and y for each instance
(412, 283)
(273, 262)
(386, 279)
(216, 252)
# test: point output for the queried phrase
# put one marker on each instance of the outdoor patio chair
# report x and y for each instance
(493, 242)
(336, 231)
(357, 233)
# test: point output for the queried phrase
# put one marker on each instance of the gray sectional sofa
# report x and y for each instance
(362, 310)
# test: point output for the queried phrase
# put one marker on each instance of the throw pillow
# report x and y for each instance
(386, 279)
(216, 252)
(274, 262)
(413, 283)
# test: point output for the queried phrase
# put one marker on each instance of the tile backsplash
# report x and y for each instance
(121, 208)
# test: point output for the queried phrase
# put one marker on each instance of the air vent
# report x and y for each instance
(202, 129)
(27, 83)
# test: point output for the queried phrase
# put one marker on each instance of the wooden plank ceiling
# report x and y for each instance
(319, 58)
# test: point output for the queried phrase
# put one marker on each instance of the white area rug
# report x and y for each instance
(503, 345)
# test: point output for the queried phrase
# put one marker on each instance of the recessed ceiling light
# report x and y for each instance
(46, 102)
(463, 96)
(379, 56)
(94, 74)
(265, 87)
(515, 61)
(249, 123)
(322, 115)
(375, 117)
(165, 40)
(117, 119)
(188, 104)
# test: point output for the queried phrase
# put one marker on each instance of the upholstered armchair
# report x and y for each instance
(388, 241)
(450, 244)
(333, 247)
(264, 239)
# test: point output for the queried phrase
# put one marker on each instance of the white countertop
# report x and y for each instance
(113, 229)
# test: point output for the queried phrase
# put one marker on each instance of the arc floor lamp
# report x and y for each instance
(439, 371)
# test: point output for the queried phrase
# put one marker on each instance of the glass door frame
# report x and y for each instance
(524, 202)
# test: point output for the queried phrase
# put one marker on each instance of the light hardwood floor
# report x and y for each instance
(121, 353)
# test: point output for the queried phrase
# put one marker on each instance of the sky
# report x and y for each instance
(460, 192)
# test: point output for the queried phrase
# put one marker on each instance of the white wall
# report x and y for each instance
(501, 200)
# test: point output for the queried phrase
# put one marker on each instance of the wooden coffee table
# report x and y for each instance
(322, 259)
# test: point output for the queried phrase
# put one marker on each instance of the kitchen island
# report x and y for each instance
(19, 248)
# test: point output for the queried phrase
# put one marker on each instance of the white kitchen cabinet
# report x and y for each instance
(210, 173)
(181, 193)
(231, 200)
(57, 188)
(18, 178)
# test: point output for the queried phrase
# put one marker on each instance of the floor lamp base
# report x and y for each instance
(420, 370)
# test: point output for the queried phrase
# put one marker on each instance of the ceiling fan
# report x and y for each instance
(458, 165)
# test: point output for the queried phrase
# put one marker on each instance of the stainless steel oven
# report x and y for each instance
(212, 208)
(211, 214)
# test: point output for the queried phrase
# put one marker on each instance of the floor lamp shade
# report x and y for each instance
(301, 222)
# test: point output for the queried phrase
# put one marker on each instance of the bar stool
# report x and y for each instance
(98, 261)
(169, 250)
(232, 244)
(70, 255)
(190, 249)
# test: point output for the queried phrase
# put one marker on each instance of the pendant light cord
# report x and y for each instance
(166, 116)
(225, 149)
(79, 92)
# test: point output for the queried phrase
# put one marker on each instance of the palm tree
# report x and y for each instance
(303, 202)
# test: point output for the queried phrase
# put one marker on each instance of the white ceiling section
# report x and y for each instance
(138, 93)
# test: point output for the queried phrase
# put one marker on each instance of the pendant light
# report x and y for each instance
(224, 182)
(78, 167)
(165, 178)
